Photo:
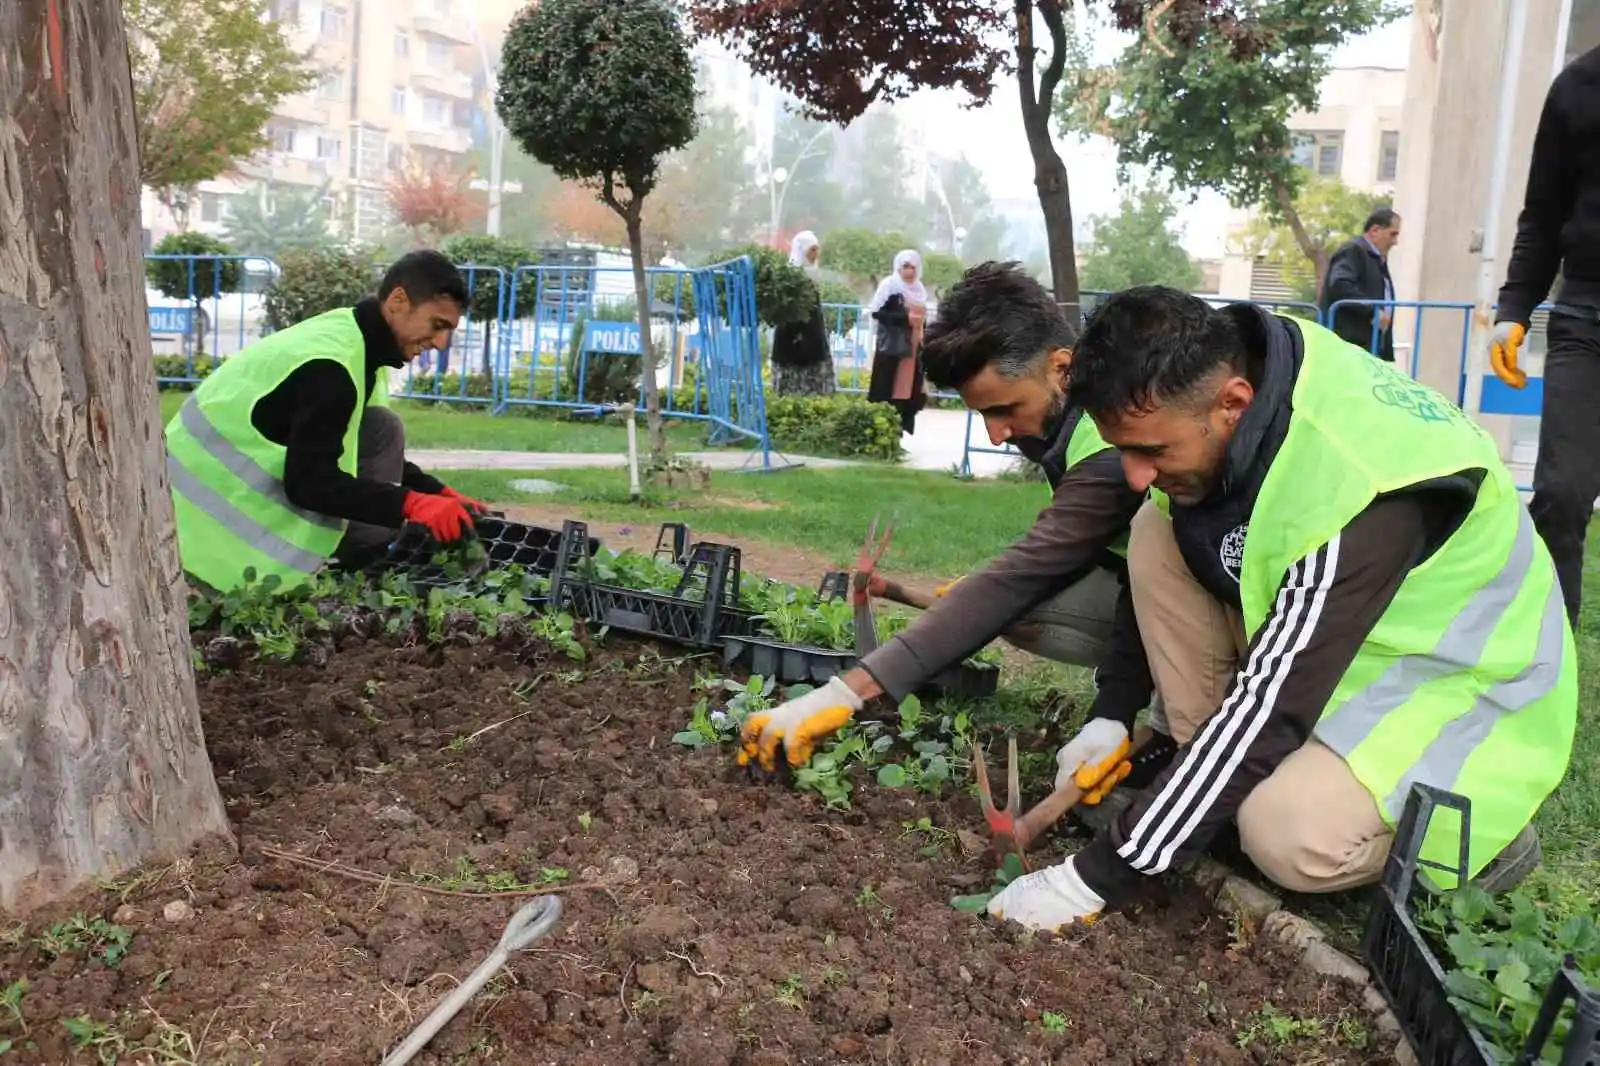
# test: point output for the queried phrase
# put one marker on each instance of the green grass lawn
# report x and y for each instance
(445, 426)
(945, 527)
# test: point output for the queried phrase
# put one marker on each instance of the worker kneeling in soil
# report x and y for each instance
(1001, 340)
(286, 455)
(1341, 594)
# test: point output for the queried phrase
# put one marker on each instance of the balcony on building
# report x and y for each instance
(456, 84)
(437, 18)
(449, 139)
(307, 107)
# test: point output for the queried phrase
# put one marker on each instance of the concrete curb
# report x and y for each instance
(1259, 912)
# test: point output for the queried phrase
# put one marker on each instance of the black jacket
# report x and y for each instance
(1559, 228)
(308, 412)
(1358, 272)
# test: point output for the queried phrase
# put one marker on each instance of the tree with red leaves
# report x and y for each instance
(432, 200)
(840, 56)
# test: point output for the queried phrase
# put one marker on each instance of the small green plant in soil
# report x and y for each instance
(93, 938)
(1051, 1022)
(978, 902)
(1502, 953)
(466, 877)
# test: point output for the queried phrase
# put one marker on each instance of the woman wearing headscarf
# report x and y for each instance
(900, 307)
(802, 363)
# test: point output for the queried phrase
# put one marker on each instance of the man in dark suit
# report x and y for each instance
(1360, 271)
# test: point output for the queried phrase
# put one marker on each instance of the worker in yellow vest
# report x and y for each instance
(288, 454)
(1341, 595)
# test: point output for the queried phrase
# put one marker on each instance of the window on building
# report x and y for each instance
(286, 12)
(331, 87)
(397, 101)
(332, 208)
(333, 23)
(397, 156)
(1319, 151)
(438, 55)
(436, 110)
(329, 147)
(1389, 155)
(402, 44)
(210, 207)
(281, 138)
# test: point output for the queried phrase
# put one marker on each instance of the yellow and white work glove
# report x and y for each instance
(797, 725)
(1095, 760)
(1503, 344)
(1050, 899)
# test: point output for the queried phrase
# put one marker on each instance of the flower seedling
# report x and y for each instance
(94, 937)
(977, 903)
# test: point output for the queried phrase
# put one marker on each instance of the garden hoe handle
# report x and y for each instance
(526, 926)
(1045, 813)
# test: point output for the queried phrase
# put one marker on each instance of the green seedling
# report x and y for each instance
(869, 899)
(792, 992)
(978, 902)
(585, 820)
(1051, 1022)
(93, 937)
(934, 839)
(11, 1000)
(553, 875)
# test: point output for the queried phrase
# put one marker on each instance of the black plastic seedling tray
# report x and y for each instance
(700, 611)
(1412, 979)
(534, 548)
(792, 664)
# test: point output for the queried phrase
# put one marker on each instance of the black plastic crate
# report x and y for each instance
(505, 543)
(700, 611)
(1412, 978)
(789, 664)
(835, 585)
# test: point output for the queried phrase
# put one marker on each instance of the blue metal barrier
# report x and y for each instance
(472, 350)
(202, 308)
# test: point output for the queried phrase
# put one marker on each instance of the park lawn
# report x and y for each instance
(946, 526)
(454, 427)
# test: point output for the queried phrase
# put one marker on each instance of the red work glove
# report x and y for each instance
(475, 506)
(446, 518)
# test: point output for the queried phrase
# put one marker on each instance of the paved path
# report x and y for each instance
(935, 446)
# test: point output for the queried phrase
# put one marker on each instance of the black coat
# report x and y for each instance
(894, 328)
(1356, 272)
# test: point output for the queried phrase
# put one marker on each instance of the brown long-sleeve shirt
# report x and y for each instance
(1090, 507)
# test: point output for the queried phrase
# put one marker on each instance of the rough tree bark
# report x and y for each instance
(1049, 172)
(102, 760)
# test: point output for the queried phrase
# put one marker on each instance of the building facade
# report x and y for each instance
(395, 84)
(1354, 135)
(1444, 187)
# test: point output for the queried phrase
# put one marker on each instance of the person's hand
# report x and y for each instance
(1051, 899)
(446, 518)
(1384, 318)
(1095, 760)
(797, 725)
(475, 506)
(1503, 344)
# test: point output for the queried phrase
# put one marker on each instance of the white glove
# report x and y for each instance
(1047, 899)
(797, 724)
(1102, 741)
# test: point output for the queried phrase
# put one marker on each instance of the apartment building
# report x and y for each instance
(395, 82)
(1353, 135)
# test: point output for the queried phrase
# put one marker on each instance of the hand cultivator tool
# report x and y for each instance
(526, 926)
(1011, 831)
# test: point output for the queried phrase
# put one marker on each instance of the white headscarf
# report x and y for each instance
(800, 247)
(913, 291)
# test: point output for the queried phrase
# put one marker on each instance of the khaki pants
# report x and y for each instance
(1310, 826)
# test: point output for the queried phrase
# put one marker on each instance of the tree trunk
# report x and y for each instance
(647, 349)
(1317, 255)
(102, 758)
(1049, 172)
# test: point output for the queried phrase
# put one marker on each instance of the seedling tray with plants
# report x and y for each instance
(496, 544)
(1476, 980)
(699, 610)
(807, 638)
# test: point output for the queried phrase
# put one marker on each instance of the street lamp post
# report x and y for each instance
(780, 176)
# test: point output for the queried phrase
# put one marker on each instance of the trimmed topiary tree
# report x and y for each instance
(600, 91)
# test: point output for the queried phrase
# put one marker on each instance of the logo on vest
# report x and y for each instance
(1232, 551)
(1391, 387)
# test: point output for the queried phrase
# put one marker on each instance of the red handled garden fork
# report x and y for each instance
(1003, 824)
(872, 550)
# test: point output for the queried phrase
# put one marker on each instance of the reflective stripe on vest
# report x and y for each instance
(1345, 727)
(246, 469)
(210, 502)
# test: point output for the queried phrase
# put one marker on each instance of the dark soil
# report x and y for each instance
(744, 924)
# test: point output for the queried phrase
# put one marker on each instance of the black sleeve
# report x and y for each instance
(1326, 605)
(322, 400)
(1344, 277)
(1089, 509)
(419, 480)
(1552, 189)
(1122, 681)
